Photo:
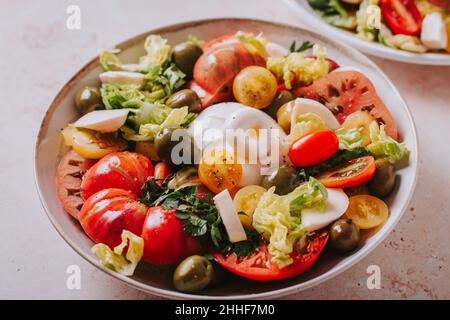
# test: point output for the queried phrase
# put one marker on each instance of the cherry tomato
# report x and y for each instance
(258, 266)
(313, 148)
(68, 181)
(123, 170)
(216, 68)
(165, 242)
(108, 212)
(402, 16)
(347, 92)
(218, 171)
(367, 211)
(351, 174)
(162, 171)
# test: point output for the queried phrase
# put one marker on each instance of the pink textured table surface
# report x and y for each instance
(39, 54)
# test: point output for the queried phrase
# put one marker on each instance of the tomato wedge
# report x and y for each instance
(402, 16)
(351, 174)
(259, 267)
(345, 92)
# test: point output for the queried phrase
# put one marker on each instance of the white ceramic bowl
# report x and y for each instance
(314, 22)
(49, 148)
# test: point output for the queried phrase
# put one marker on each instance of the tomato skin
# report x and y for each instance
(313, 148)
(353, 180)
(352, 91)
(124, 170)
(110, 211)
(245, 266)
(162, 171)
(216, 68)
(402, 16)
(165, 242)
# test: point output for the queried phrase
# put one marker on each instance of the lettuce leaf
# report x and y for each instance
(384, 146)
(368, 20)
(254, 44)
(333, 13)
(349, 139)
(175, 118)
(306, 123)
(115, 259)
(306, 69)
(116, 96)
(278, 218)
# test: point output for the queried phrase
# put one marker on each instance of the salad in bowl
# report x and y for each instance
(231, 155)
(416, 26)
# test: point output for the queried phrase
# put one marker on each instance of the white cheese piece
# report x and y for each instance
(229, 215)
(103, 120)
(122, 77)
(434, 32)
(313, 219)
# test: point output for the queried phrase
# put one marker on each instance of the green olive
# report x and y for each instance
(165, 144)
(88, 99)
(185, 55)
(185, 98)
(184, 177)
(344, 235)
(383, 181)
(280, 99)
(285, 179)
(194, 273)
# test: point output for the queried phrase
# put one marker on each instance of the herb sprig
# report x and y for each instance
(302, 47)
(200, 217)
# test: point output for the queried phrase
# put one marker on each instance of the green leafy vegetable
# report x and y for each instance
(339, 158)
(115, 260)
(306, 123)
(254, 44)
(199, 215)
(349, 139)
(302, 47)
(368, 22)
(384, 146)
(278, 218)
(116, 96)
(333, 13)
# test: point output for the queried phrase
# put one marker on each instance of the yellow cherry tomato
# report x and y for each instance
(360, 120)
(367, 211)
(218, 170)
(255, 87)
(284, 116)
(245, 201)
(92, 145)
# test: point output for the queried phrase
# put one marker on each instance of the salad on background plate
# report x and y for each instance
(416, 26)
(148, 188)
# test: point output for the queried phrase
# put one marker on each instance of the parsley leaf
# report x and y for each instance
(304, 46)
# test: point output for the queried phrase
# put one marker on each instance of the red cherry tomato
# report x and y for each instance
(123, 170)
(313, 148)
(258, 266)
(110, 211)
(162, 171)
(165, 242)
(351, 174)
(216, 68)
(402, 16)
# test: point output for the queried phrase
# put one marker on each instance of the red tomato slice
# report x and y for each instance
(313, 148)
(162, 171)
(402, 16)
(258, 266)
(346, 92)
(123, 170)
(70, 170)
(165, 242)
(110, 211)
(351, 174)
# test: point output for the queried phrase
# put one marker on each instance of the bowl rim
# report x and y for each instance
(376, 49)
(172, 294)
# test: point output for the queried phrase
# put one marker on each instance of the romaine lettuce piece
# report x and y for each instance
(349, 139)
(368, 20)
(115, 259)
(384, 146)
(116, 96)
(278, 218)
(306, 123)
